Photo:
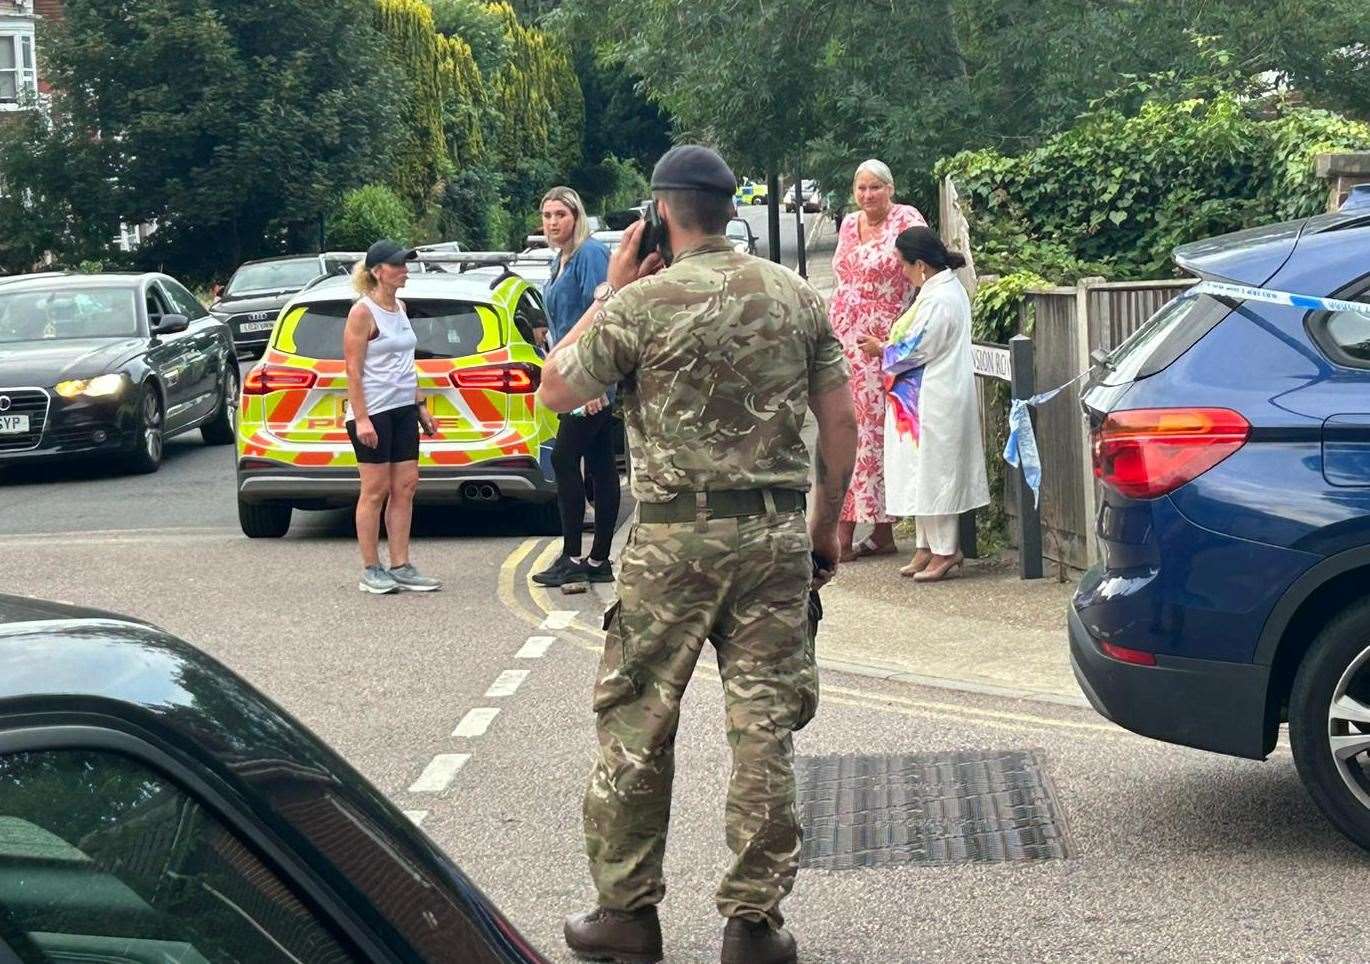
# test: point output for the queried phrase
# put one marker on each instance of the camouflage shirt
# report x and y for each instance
(718, 355)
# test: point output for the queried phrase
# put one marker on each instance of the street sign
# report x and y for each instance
(992, 361)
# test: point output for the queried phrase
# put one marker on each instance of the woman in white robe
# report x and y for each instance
(934, 453)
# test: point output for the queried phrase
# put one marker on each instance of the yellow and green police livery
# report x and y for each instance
(477, 367)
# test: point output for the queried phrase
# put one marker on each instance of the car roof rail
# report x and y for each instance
(318, 278)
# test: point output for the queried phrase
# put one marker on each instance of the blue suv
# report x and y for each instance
(1232, 441)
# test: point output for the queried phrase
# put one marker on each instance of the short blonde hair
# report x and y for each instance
(876, 169)
(568, 197)
(363, 281)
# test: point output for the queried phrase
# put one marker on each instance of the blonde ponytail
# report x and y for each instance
(362, 279)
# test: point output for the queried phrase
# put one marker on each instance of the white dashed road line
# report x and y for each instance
(506, 683)
(559, 619)
(476, 721)
(416, 816)
(437, 776)
(535, 648)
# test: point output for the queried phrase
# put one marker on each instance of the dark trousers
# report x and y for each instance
(588, 437)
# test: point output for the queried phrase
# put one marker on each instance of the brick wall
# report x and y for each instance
(51, 9)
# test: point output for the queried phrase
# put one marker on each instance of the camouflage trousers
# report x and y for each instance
(742, 584)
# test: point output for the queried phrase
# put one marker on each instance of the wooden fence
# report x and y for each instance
(1067, 325)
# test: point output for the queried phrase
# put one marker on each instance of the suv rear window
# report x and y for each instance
(1164, 337)
(444, 329)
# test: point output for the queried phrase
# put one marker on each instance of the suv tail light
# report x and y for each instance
(515, 379)
(265, 379)
(1147, 452)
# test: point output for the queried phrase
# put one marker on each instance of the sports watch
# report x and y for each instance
(604, 291)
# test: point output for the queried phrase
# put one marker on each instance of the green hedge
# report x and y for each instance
(1116, 194)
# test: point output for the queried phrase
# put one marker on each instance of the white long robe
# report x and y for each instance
(934, 453)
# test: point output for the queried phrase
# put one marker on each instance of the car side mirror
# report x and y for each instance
(170, 324)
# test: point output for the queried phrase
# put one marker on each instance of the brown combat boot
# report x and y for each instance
(624, 937)
(757, 942)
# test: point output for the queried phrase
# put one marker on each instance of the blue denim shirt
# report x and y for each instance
(570, 290)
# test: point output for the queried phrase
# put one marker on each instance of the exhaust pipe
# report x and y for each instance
(470, 492)
(489, 493)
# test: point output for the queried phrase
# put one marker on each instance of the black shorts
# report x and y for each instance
(397, 437)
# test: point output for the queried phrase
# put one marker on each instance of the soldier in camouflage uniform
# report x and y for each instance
(720, 357)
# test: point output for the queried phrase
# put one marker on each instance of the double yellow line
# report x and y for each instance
(538, 603)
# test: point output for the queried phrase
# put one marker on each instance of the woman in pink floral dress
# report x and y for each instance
(871, 292)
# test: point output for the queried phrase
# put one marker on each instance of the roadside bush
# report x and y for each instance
(368, 214)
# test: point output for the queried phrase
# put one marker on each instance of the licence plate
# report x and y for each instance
(12, 424)
(256, 326)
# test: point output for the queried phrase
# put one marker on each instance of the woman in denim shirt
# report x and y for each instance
(585, 434)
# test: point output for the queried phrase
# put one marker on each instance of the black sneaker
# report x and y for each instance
(559, 573)
(599, 571)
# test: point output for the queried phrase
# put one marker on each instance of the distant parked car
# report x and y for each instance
(257, 291)
(812, 197)
(110, 365)
(1232, 441)
(156, 807)
(739, 232)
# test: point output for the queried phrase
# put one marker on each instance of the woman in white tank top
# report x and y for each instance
(384, 413)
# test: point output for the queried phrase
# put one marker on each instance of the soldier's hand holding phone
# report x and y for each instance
(626, 266)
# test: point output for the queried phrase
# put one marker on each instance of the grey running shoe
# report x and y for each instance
(409, 579)
(376, 580)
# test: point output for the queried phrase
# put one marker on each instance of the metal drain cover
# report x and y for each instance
(927, 808)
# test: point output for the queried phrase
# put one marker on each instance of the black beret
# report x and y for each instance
(691, 167)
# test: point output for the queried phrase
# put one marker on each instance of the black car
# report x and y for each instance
(110, 364)
(258, 290)
(155, 807)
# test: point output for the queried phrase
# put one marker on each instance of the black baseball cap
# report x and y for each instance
(386, 251)
(692, 167)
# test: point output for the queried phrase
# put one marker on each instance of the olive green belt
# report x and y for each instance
(721, 504)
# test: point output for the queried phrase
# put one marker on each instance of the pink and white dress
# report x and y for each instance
(870, 294)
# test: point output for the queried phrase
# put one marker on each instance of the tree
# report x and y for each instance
(421, 157)
(910, 83)
(481, 29)
(755, 101)
(229, 125)
(465, 103)
(620, 122)
(538, 112)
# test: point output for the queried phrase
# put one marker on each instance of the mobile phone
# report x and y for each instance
(653, 237)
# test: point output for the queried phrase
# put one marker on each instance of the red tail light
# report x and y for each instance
(265, 379)
(1148, 452)
(1137, 657)
(513, 379)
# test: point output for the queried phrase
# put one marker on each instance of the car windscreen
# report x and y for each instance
(291, 275)
(444, 328)
(737, 230)
(48, 314)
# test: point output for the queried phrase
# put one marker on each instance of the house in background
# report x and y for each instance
(20, 59)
